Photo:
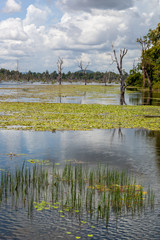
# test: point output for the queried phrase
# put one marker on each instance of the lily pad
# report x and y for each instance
(37, 161)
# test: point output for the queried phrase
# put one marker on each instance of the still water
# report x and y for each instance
(137, 151)
(12, 92)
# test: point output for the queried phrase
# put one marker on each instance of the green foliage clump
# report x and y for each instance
(134, 78)
(150, 61)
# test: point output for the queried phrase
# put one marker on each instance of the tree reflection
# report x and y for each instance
(153, 135)
(120, 134)
(147, 98)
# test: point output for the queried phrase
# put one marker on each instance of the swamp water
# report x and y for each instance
(72, 93)
(136, 151)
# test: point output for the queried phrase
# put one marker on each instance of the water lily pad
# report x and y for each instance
(84, 222)
(37, 161)
(77, 211)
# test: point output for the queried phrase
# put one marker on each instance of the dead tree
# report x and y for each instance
(59, 66)
(105, 79)
(120, 70)
(84, 69)
(17, 71)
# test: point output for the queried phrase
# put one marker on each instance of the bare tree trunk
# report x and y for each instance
(105, 80)
(144, 77)
(149, 81)
(84, 70)
(59, 65)
(59, 79)
(120, 69)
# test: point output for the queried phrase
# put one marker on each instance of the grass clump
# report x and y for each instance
(75, 190)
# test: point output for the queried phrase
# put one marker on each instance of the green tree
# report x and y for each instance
(135, 77)
(150, 60)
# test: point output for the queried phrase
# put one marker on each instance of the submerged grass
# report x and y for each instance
(75, 191)
(52, 116)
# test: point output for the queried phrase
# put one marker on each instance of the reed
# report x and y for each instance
(78, 190)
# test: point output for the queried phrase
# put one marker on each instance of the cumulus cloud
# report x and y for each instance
(38, 40)
(12, 6)
(12, 29)
(87, 5)
(36, 15)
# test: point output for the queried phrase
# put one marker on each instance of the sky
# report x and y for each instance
(35, 33)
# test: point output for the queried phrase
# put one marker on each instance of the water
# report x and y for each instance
(135, 150)
(109, 95)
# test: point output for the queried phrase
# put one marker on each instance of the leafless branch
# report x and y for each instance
(120, 69)
(84, 69)
(59, 66)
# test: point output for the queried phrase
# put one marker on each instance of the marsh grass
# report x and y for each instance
(75, 190)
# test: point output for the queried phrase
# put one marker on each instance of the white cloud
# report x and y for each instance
(12, 6)
(36, 15)
(12, 29)
(88, 35)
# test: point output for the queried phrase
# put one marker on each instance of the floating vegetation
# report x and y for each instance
(1, 169)
(48, 93)
(90, 235)
(15, 154)
(75, 191)
(37, 161)
(54, 116)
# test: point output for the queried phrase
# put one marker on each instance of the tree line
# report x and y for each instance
(147, 72)
(46, 77)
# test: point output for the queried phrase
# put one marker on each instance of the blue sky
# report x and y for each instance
(37, 32)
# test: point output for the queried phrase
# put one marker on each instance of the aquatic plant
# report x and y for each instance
(37, 161)
(75, 190)
(51, 117)
(49, 93)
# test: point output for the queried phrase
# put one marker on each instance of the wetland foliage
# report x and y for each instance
(51, 117)
(74, 191)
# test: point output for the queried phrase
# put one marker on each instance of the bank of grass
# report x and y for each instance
(54, 116)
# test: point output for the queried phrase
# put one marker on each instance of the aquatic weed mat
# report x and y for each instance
(55, 116)
(43, 93)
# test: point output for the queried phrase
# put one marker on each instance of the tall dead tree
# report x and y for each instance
(17, 71)
(120, 70)
(84, 69)
(105, 80)
(59, 66)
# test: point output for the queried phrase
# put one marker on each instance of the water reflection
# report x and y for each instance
(107, 95)
(152, 136)
(135, 150)
(137, 97)
(132, 149)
